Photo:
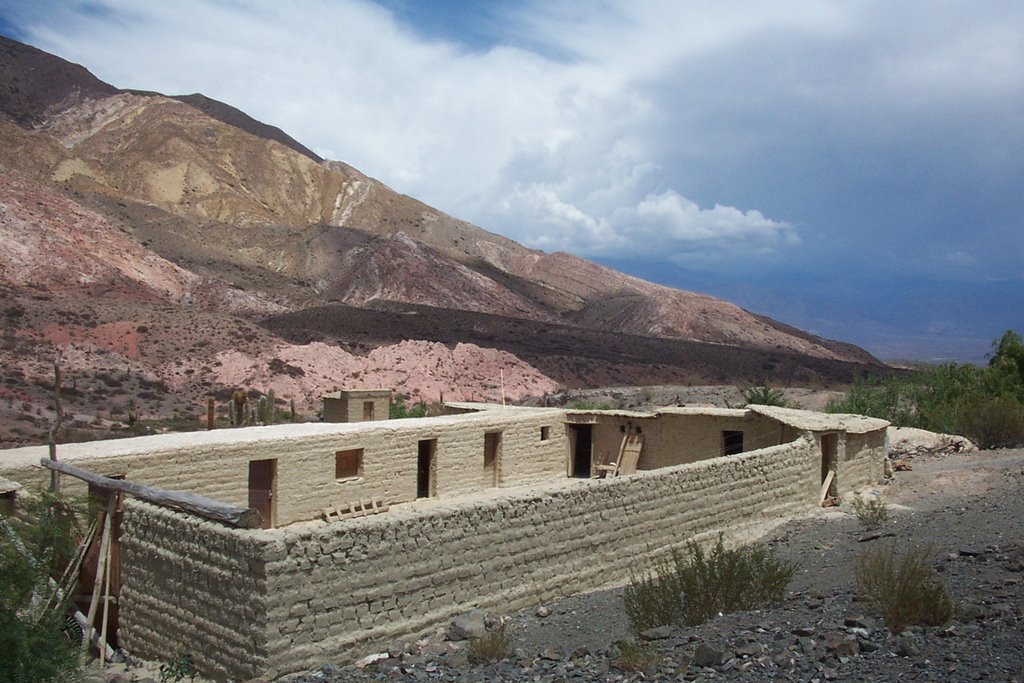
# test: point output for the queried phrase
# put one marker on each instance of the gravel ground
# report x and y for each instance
(967, 507)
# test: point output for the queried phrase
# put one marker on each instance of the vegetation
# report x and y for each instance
(765, 396)
(397, 408)
(985, 404)
(904, 589)
(693, 587)
(588, 405)
(34, 547)
(872, 513)
(495, 646)
(632, 656)
(178, 670)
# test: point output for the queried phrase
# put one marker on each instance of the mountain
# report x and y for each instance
(183, 224)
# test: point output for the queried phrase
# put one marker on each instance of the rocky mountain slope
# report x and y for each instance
(169, 230)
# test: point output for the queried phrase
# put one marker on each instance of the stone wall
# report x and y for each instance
(335, 592)
(193, 587)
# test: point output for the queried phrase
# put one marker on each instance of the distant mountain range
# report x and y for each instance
(184, 241)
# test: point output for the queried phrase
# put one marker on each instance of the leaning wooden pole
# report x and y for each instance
(101, 571)
(246, 518)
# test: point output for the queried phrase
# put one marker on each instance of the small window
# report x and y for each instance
(348, 464)
(545, 433)
(732, 443)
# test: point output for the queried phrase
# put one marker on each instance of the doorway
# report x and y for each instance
(492, 458)
(581, 439)
(368, 411)
(262, 483)
(425, 469)
(829, 460)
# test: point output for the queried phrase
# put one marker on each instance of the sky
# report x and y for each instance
(851, 167)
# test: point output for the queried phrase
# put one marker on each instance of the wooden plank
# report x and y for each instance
(631, 454)
(823, 494)
(246, 518)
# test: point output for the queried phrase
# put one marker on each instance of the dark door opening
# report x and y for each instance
(425, 487)
(732, 442)
(492, 458)
(367, 411)
(582, 439)
(829, 458)
(262, 482)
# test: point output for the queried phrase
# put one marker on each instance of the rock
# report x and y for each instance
(843, 647)
(908, 646)
(749, 650)
(866, 645)
(550, 654)
(806, 644)
(466, 626)
(542, 612)
(969, 552)
(658, 633)
(803, 632)
(371, 659)
(706, 656)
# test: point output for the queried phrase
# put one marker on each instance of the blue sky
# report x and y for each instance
(854, 168)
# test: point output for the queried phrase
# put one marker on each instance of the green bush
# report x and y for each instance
(993, 422)
(33, 546)
(985, 404)
(904, 590)
(871, 513)
(693, 587)
(765, 396)
(397, 409)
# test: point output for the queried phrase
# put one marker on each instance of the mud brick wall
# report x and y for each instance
(862, 461)
(193, 587)
(216, 464)
(337, 591)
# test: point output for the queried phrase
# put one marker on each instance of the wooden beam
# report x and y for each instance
(823, 494)
(245, 518)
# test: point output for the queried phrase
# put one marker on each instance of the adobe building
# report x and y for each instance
(377, 532)
(357, 405)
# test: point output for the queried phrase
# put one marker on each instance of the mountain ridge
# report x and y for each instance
(195, 208)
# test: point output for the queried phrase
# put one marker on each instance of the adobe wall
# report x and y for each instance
(192, 587)
(216, 463)
(337, 591)
(862, 462)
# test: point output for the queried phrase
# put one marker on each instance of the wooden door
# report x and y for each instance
(262, 485)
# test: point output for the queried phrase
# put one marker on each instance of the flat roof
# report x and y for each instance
(821, 422)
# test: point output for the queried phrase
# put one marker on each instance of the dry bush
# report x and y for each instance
(871, 513)
(904, 590)
(632, 656)
(693, 587)
(493, 647)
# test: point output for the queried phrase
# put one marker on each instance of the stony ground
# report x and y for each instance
(967, 508)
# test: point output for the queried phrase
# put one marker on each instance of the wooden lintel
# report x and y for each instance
(245, 518)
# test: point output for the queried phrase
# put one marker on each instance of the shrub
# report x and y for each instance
(178, 669)
(871, 513)
(495, 646)
(694, 587)
(32, 548)
(904, 590)
(765, 396)
(994, 422)
(632, 656)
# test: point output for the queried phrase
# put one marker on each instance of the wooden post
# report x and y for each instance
(503, 386)
(246, 518)
(55, 427)
(111, 511)
(211, 412)
(101, 569)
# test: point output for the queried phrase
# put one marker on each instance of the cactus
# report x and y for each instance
(271, 416)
